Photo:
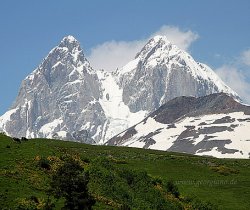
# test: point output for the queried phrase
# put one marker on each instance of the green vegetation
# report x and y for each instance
(70, 182)
(38, 174)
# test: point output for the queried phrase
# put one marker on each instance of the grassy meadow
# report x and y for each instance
(122, 178)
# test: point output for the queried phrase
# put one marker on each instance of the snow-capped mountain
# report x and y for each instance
(65, 98)
(160, 72)
(59, 98)
(214, 125)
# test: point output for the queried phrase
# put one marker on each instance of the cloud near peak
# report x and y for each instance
(183, 39)
(236, 79)
(113, 54)
(245, 57)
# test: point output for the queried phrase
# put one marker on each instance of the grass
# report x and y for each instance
(223, 182)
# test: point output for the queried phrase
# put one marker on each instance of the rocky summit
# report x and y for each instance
(65, 98)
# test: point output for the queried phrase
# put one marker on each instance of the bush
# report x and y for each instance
(70, 182)
(202, 205)
(24, 139)
(224, 170)
(156, 180)
(125, 207)
(131, 189)
(172, 188)
(26, 204)
(3, 133)
(30, 203)
(104, 163)
(44, 163)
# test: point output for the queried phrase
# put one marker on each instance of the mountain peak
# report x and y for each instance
(69, 42)
(158, 38)
(69, 38)
(159, 44)
(67, 58)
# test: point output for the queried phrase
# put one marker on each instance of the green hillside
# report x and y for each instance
(121, 178)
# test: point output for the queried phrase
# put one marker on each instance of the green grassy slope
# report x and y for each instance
(224, 182)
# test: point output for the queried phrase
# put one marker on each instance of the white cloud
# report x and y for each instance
(115, 54)
(183, 39)
(245, 57)
(237, 80)
(236, 75)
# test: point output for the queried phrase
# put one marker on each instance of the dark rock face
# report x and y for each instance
(186, 146)
(226, 119)
(127, 134)
(148, 140)
(184, 142)
(191, 106)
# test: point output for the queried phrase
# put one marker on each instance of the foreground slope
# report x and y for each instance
(214, 125)
(225, 183)
(65, 98)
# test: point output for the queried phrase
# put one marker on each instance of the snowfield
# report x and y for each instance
(166, 136)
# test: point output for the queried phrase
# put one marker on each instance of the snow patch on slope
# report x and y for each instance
(118, 114)
(5, 118)
(49, 128)
(167, 135)
(129, 66)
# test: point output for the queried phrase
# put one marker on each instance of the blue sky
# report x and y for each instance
(217, 33)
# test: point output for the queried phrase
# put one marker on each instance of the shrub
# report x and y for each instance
(172, 188)
(156, 180)
(70, 182)
(202, 205)
(17, 140)
(3, 133)
(104, 163)
(125, 207)
(24, 139)
(224, 170)
(132, 189)
(26, 204)
(44, 163)
(31, 203)
(85, 159)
